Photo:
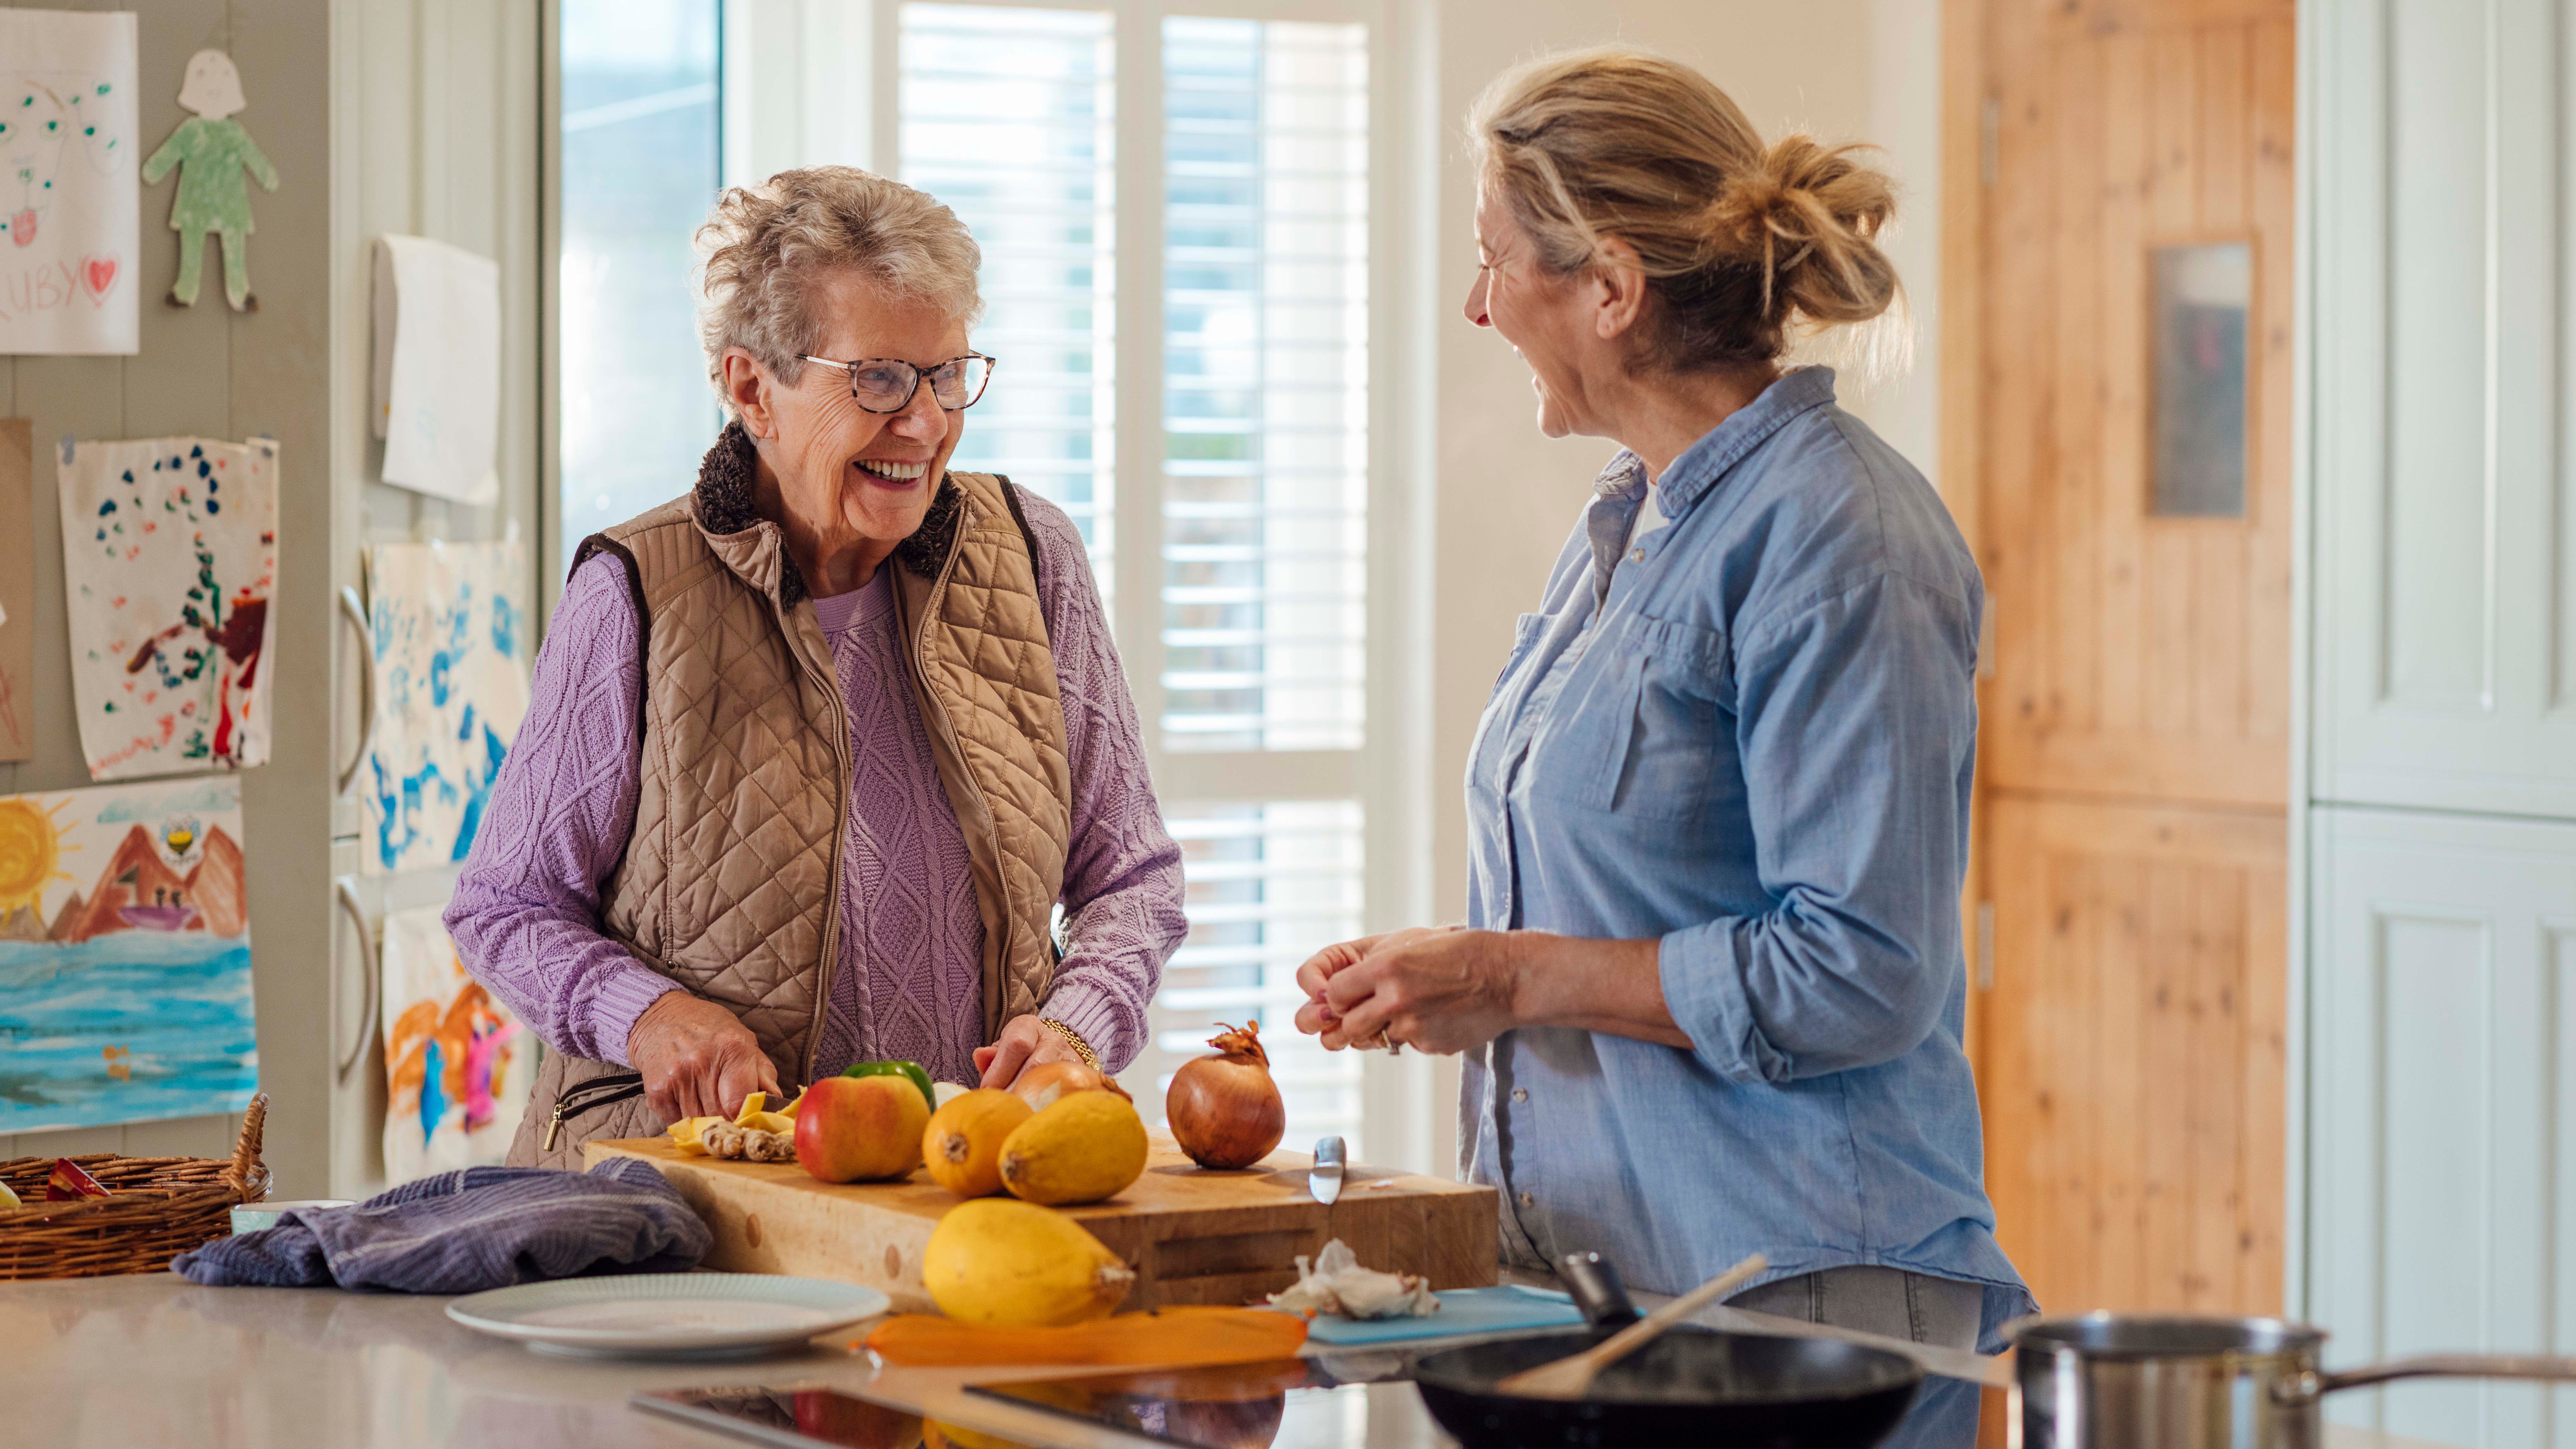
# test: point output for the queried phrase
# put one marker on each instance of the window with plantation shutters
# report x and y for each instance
(1174, 212)
(1008, 117)
(1265, 384)
(1268, 883)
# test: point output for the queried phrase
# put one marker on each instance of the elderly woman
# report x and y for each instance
(818, 748)
(1712, 999)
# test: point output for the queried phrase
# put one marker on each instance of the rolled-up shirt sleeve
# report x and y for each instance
(1856, 718)
(525, 916)
(1123, 890)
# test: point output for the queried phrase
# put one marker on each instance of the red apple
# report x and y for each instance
(850, 1129)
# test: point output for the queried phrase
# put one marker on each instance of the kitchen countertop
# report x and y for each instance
(111, 1363)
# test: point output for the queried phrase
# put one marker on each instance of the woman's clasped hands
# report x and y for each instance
(1433, 988)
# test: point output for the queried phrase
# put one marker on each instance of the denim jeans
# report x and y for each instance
(1895, 1304)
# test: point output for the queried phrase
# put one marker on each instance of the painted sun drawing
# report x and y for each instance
(125, 977)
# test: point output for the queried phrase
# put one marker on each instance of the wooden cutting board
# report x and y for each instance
(1193, 1236)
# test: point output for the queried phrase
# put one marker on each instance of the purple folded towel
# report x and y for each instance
(465, 1231)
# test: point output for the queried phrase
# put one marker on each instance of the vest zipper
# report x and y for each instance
(581, 1097)
(831, 685)
(948, 729)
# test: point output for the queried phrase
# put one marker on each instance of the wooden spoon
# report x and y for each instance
(1569, 1377)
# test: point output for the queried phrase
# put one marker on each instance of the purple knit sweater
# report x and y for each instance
(525, 916)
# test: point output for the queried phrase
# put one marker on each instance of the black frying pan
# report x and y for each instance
(1693, 1385)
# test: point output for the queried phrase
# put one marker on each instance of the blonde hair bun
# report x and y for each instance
(1741, 243)
(1809, 215)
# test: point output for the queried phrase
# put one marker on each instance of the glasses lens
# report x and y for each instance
(882, 386)
(959, 382)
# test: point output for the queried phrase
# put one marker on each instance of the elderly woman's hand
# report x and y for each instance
(1026, 1042)
(697, 1058)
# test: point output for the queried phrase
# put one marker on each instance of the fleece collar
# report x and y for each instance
(725, 506)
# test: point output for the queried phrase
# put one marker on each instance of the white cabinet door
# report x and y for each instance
(2445, 546)
(2442, 1090)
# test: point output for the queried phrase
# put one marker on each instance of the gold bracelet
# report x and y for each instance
(1080, 1047)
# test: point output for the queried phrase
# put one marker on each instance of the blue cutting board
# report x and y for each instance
(1463, 1311)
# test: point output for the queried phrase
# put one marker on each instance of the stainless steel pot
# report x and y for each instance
(2133, 1381)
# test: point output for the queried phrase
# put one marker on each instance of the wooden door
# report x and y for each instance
(2135, 758)
(2132, 1071)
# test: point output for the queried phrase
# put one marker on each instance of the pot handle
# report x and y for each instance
(1594, 1286)
(2309, 1387)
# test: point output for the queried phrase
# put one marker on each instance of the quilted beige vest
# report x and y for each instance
(730, 880)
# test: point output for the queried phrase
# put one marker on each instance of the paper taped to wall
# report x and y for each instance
(450, 623)
(69, 206)
(438, 368)
(169, 561)
(458, 1065)
(216, 160)
(125, 985)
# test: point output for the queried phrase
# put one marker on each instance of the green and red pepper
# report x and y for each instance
(909, 1071)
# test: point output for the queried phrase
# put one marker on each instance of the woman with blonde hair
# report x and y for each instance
(1711, 993)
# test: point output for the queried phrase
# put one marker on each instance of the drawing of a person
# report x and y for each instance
(212, 151)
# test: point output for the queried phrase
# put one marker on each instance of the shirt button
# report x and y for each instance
(1529, 1200)
(1520, 1094)
(1636, 555)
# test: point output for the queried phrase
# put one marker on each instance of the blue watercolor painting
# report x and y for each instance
(125, 971)
(451, 687)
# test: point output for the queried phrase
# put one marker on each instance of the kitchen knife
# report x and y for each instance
(1325, 1182)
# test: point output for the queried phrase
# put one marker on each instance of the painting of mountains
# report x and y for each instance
(125, 981)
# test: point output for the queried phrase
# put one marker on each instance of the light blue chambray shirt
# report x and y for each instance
(1751, 735)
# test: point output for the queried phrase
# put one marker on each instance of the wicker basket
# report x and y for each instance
(160, 1207)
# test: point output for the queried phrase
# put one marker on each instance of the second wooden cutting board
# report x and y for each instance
(1193, 1236)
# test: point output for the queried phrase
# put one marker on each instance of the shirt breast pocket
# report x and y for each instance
(1657, 733)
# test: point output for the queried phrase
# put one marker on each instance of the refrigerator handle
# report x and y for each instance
(346, 890)
(356, 613)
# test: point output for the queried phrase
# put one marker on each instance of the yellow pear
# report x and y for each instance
(963, 1144)
(1086, 1147)
(1007, 1264)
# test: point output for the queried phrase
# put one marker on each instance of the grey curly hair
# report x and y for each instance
(762, 246)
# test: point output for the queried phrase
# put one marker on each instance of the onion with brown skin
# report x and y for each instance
(1040, 1085)
(1224, 1110)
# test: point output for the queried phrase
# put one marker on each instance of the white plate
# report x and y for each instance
(672, 1314)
